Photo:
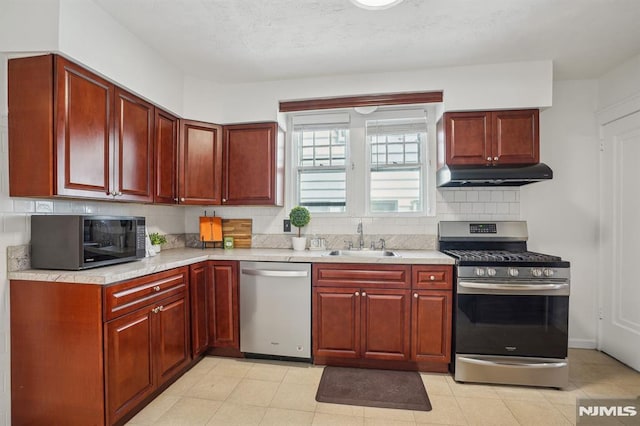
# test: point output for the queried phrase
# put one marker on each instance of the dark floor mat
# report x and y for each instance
(373, 388)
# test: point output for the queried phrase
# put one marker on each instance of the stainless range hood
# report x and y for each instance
(460, 176)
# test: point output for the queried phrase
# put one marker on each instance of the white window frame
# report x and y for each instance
(358, 163)
(424, 148)
(339, 119)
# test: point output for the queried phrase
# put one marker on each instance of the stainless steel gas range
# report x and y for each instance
(511, 306)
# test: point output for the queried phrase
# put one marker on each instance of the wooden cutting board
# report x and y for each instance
(240, 230)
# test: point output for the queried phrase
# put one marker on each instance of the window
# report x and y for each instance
(396, 164)
(321, 165)
(345, 162)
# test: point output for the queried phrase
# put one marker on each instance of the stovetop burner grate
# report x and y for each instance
(501, 256)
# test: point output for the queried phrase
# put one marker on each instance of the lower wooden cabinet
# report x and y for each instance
(399, 316)
(199, 282)
(215, 308)
(84, 354)
(431, 326)
(224, 319)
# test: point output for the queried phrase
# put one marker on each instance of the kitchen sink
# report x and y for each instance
(363, 253)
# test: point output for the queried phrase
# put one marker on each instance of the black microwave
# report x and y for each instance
(74, 242)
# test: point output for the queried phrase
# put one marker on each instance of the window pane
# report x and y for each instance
(322, 190)
(396, 190)
(395, 178)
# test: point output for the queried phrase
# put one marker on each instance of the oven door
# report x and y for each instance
(516, 318)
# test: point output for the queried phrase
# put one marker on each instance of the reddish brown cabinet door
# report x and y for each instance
(166, 158)
(385, 324)
(431, 326)
(172, 344)
(128, 362)
(224, 322)
(515, 137)
(253, 169)
(467, 137)
(200, 163)
(490, 138)
(84, 132)
(134, 138)
(199, 283)
(336, 322)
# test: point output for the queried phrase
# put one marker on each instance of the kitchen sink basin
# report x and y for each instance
(363, 253)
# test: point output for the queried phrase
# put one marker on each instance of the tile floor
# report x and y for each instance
(225, 391)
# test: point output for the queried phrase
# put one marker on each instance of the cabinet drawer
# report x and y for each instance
(432, 277)
(130, 295)
(361, 275)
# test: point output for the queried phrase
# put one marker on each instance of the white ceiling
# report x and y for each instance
(257, 40)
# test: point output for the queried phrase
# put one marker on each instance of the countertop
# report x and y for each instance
(175, 258)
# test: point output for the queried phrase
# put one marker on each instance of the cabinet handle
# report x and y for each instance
(432, 277)
(415, 295)
(156, 287)
(364, 294)
(495, 158)
(357, 293)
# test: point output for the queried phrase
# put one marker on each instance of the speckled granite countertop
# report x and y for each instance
(175, 258)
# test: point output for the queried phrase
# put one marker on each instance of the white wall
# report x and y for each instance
(29, 25)
(91, 36)
(563, 214)
(497, 86)
(619, 84)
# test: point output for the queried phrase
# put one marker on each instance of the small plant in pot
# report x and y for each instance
(299, 217)
(156, 240)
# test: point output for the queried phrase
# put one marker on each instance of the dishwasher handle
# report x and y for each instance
(274, 273)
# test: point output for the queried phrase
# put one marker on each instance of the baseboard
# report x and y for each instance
(582, 343)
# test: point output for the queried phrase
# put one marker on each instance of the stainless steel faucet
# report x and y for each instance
(361, 236)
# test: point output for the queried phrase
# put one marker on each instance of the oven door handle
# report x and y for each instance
(513, 287)
(513, 364)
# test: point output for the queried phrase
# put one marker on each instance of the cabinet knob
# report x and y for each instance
(495, 158)
(175, 199)
(182, 199)
(488, 158)
(364, 294)
(156, 287)
(357, 293)
(432, 277)
(119, 194)
(415, 295)
(224, 200)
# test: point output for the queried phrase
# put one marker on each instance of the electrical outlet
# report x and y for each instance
(287, 225)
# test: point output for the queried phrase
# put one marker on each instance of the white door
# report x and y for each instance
(619, 326)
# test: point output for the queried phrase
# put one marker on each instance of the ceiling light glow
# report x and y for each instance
(375, 4)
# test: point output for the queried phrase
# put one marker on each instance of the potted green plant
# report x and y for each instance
(299, 217)
(156, 240)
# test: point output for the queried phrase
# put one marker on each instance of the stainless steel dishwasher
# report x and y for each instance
(275, 309)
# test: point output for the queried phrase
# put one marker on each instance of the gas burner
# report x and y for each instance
(500, 256)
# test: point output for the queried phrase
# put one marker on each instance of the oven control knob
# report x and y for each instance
(479, 272)
(536, 272)
(491, 272)
(513, 272)
(548, 272)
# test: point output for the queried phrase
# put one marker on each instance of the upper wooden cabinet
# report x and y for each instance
(166, 158)
(134, 140)
(75, 134)
(489, 138)
(253, 164)
(200, 163)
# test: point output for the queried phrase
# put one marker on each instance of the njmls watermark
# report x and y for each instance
(603, 412)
